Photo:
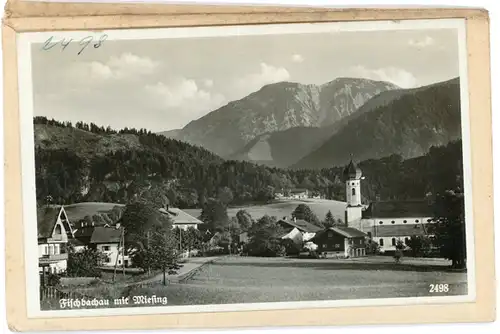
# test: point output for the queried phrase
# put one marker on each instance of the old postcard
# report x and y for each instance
(188, 170)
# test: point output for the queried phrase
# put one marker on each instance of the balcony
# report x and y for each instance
(52, 258)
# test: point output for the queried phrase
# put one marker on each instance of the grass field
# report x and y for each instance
(284, 208)
(253, 280)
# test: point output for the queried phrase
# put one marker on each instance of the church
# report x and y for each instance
(385, 222)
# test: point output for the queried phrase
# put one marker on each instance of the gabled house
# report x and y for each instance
(307, 229)
(340, 242)
(54, 230)
(109, 241)
(180, 218)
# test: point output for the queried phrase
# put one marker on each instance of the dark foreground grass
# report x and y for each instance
(254, 280)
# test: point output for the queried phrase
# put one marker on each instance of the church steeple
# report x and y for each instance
(352, 176)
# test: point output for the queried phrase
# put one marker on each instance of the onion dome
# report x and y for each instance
(352, 172)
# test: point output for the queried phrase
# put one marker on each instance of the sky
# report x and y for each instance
(164, 84)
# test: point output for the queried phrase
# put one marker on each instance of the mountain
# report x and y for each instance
(279, 107)
(170, 133)
(408, 124)
(283, 148)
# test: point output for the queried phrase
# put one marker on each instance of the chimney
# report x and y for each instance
(285, 218)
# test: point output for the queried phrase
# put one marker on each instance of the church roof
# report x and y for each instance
(401, 230)
(398, 209)
(352, 171)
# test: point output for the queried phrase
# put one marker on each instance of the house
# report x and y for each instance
(307, 229)
(340, 242)
(109, 241)
(299, 193)
(295, 235)
(181, 219)
(385, 222)
(54, 230)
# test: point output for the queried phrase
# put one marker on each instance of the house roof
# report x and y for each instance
(180, 217)
(76, 242)
(78, 211)
(348, 232)
(46, 219)
(103, 235)
(398, 209)
(401, 230)
(301, 225)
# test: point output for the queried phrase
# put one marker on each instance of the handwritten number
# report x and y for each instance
(85, 42)
(47, 45)
(101, 40)
(64, 44)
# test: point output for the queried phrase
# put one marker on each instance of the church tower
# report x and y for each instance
(352, 177)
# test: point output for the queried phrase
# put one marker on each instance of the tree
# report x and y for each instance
(190, 239)
(225, 195)
(449, 227)
(149, 237)
(85, 263)
(398, 254)
(372, 248)
(304, 212)
(419, 245)
(162, 250)
(265, 238)
(329, 220)
(214, 214)
(245, 220)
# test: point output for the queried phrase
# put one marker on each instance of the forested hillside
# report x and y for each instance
(91, 163)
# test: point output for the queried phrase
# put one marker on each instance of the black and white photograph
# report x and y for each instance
(246, 167)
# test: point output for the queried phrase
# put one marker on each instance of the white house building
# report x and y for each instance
(54, 230)
(385, 222)
(180, 218)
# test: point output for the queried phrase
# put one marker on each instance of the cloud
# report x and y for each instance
(397, 76)
(267, 74)
(296, 58)
(421, 43)
(127, 65)
(209, 83)
(184, 97)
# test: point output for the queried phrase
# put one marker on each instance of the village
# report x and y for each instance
(380, 233)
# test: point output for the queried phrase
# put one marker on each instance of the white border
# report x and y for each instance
(25, 40)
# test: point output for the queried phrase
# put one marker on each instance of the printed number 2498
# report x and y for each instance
(434, 288)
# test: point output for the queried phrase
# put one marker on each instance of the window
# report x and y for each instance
(429, 220)
(56, 249)
(58, 229)
(407, 240)
(381, 242)
(369, 235)
(416, 220)
(380, 222)
(394, 241)
(352, 184)
(330, 234)
(337, 245)
(51, 249)
(404, 221)
(105, 248)
(119, 261)
(393, 222)
(324, 246)
(353, 191)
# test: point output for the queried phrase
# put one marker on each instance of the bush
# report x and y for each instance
(53, 279)
(372, 248)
